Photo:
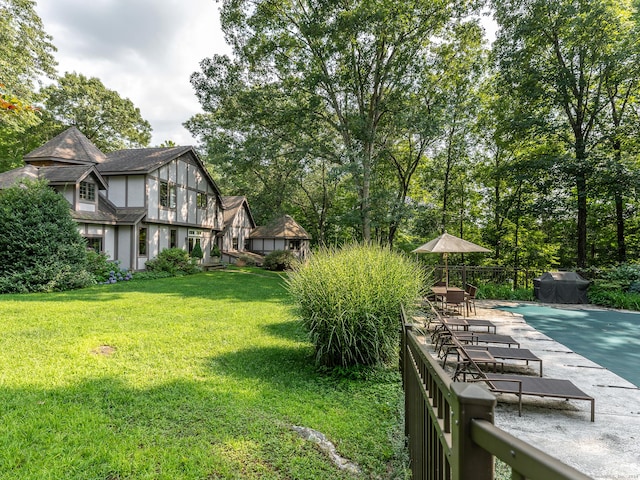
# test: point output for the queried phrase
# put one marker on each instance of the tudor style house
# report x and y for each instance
(133, 203)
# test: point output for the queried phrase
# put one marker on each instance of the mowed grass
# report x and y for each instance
(198, 377)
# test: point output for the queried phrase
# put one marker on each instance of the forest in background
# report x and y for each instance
(393, 121)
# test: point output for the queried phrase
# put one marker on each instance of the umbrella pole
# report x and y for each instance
(446, 269)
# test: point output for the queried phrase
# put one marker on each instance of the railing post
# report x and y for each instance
(470, 461)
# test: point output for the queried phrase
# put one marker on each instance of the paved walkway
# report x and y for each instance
(609, 448)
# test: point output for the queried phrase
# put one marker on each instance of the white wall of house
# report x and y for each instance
(108, 235)
(127, 190)
(125, 247)
(239, 229)
(68, 192)
(184, 177)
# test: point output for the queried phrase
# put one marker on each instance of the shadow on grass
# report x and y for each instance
(290, 330)
(103, 428)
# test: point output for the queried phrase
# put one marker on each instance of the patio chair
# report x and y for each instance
(456, 299)
(470, 298)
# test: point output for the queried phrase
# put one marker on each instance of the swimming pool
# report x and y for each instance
(609, 338)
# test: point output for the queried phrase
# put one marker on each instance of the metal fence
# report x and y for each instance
(450, 430)
(462, 274)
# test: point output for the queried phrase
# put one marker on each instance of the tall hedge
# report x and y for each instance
(349, 299)
(41, 249)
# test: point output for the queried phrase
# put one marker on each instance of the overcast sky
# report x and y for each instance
(145, 50)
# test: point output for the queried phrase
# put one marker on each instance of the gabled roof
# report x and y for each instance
(59, 175)
(145, 160)
(283, 227)
(232, 205)
(55, 175)
(140, 160)
(71, 146)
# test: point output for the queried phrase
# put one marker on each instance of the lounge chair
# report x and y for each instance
(515, 354)
(521, 385)
(445, 337)
(536, 386)
(468, 323)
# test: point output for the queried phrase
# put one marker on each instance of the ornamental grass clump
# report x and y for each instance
(349, 299)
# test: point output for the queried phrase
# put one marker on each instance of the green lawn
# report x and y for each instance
(197, 377)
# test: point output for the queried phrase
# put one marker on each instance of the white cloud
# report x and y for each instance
(146, 50)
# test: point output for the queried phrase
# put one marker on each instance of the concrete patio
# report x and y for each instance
(607, 449)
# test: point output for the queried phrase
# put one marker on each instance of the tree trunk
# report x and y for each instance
(619, 202)
(581, 191)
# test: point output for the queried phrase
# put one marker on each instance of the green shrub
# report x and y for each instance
(280, 260)
(349, 300)
(105, 270)
(612, 295)
(196, 252)
(40, 247)
(173, 261)
(492, 291)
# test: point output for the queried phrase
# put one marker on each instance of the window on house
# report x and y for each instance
(167, 195)
(247, 244)
(94, 243)
(173, 239)
(294, 244)
(142, 241)
(201, 200)
(234, 243)
(87, 191)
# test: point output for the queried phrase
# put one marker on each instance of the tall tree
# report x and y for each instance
(556, 52)
(26, 52)
(26, 56)
(108, 120)
(344, 60)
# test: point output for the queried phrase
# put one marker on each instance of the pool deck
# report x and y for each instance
(607, 449)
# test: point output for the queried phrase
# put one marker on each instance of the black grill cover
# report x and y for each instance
(561, 287)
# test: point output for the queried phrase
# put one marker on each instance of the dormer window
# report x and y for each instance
(87, 191)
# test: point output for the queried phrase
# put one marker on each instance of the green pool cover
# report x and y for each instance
(609, 338)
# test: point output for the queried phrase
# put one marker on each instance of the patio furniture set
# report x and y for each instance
(479, 354)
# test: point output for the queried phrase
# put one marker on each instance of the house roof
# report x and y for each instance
(10, 178)
(70, 146)
(140, 160)
(146, 160)
(108, 213)
(283, 227)
(55, 175)
(231, 206)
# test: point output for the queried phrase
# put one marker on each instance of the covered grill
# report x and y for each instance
(561, 287)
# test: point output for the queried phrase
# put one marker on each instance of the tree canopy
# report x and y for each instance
(395, 121)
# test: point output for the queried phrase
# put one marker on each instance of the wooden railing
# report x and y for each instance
(450, 430)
